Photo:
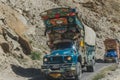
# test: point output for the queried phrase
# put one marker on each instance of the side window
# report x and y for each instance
(75, 50)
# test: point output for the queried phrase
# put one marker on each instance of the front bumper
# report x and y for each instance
(110, 59)
(65, 71)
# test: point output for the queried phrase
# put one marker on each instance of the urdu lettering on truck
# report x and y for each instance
(72, 45)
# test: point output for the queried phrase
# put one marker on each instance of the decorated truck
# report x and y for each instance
(112, 51)
(72, 45)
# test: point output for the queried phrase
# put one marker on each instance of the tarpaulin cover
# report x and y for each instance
(90, 35)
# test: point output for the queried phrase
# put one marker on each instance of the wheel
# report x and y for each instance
(46, 78)
(105, 61)
(116, 60)
(78, 71)
(91, 68)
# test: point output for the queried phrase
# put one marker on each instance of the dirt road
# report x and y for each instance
(35, 74)
(98, 67)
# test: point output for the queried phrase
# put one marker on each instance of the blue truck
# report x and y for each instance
(112, 51)
(71, 43)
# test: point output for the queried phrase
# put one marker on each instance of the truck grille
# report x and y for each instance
(57, 59)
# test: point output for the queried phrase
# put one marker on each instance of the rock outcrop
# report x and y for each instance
(13, 27)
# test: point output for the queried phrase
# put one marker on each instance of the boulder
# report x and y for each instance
(7, 48)
(16, 27)
(27, 49)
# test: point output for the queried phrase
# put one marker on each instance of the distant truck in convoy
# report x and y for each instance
(72, 45)
(112, 51)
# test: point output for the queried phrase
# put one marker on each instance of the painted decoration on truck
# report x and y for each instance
(47, 23)
(58, 12)
(72, 28)
(59, 17)
(79, 23)
(59, 21)
(69, 21)
(60, 30)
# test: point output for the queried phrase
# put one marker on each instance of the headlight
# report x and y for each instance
(69, 58)
(45, 59)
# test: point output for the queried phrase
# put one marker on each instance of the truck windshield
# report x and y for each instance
(63, 45)
(111, 53)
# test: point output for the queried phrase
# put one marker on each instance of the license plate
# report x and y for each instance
(110, 59)
(56, 66)
(55, 75)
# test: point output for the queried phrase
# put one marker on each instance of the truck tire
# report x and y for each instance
(46, 77)
(91, 68)
(105, 61)
(80, 59)
(116, 60)
(78, 71)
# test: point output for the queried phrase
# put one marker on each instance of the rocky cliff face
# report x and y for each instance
(21, 27)
(21, 30)
(31, 10)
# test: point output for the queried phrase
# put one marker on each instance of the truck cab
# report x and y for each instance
(112, 52)
(61, 62)
(111, 55)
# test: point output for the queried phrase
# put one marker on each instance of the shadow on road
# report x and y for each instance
(31, 73)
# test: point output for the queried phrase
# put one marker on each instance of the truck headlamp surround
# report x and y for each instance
(45, 59)
(68, 58)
